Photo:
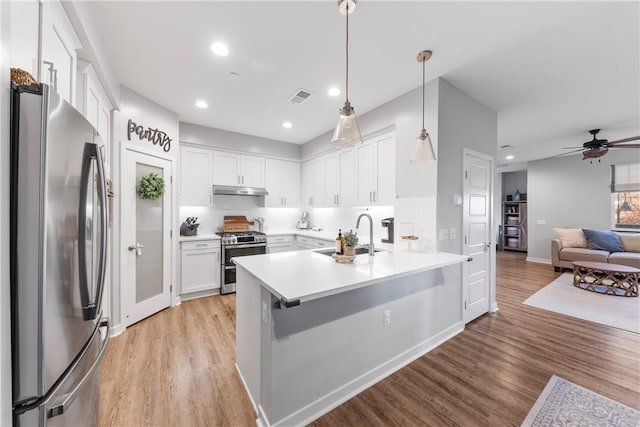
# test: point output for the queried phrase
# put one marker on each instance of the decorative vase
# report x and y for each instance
(349, 250)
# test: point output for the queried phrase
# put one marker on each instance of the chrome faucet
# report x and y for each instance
(371, 248)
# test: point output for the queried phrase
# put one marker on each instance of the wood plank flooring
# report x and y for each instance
(176, 368)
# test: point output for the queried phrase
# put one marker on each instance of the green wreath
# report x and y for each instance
(151, 187)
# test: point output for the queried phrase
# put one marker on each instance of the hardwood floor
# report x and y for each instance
(176, 368)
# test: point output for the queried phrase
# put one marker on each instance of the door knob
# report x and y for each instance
(137, 247)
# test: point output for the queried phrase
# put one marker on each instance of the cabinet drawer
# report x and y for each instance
(322, 243)
(279, 239)
(307, 241)
(200, 244)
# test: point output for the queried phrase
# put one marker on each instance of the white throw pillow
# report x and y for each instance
(630, 242)
(571, 237)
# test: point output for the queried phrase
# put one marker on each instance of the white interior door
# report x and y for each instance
(477, 231)
(145, 239)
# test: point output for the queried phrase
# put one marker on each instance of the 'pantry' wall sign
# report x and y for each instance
(155, 136)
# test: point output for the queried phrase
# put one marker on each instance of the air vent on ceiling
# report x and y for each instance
(300, 96)
(506, 147)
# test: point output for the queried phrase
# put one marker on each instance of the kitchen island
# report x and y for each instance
(312, 333)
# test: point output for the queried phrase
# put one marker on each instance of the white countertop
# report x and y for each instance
(199, 237)
(307, 275)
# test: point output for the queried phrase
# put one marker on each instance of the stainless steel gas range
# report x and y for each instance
(234, 245)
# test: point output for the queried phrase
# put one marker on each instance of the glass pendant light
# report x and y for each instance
(347, 133)
(424, 148)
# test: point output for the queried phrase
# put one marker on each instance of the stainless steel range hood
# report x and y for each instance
(231, 190)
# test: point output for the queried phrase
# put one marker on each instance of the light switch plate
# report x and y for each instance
(443, 234)
(541, 222)
(453, 234)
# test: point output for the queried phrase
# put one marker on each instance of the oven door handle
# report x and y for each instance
(248, 245)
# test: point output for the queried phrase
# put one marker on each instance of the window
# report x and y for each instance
(625, 196)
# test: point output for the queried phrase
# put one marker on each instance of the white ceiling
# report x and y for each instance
(552, 70)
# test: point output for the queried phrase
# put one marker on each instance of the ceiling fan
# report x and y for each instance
(599, 147)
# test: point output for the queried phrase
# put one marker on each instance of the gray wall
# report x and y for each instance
(512, 182)
(569, 192)
(404, 115)
(463, 122)
(217, 138)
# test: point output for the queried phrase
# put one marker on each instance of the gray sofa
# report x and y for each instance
(562, 257)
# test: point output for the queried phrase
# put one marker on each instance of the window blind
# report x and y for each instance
(625, 177)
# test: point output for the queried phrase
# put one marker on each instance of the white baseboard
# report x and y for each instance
(539, 260)
(117, 330)
(494, 307)
(244, 384)
(337, 397)
(201, 294)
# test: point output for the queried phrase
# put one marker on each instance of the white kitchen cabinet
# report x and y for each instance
(196, 176)
(376, 171)
(59, 45)
(340, 178)
(303, 242)
(200, 266)
(276, 244)
(25, 27)
(238, 169)
(282, 181)
(94, 104)
(313, 181)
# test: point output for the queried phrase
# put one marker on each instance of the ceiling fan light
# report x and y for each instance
(423, 150)
(347, 133)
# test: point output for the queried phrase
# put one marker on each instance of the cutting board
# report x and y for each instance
(235, 223)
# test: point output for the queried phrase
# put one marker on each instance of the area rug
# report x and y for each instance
(563, 403)
(562, 297)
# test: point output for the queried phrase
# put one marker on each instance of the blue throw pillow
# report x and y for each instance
(603, 240)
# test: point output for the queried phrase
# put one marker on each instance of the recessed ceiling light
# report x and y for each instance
(201, 104)
(334, 91)
(287, 125)
(234, 75)
(509, 157)
(220, 49)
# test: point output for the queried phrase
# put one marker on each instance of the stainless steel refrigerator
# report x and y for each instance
(58, 260)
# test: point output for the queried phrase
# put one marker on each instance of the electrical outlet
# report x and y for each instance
(387, 317)
(443, 234)
(264, 312)
(541, 222)
(453, 234)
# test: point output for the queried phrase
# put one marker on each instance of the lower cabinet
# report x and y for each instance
(200, 267)
(277, 244)
(303, 242)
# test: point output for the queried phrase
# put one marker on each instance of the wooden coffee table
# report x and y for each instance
(604, 278)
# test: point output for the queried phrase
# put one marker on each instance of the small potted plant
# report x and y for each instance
(350, 242)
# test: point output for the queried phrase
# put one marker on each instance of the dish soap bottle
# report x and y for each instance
(339, 243)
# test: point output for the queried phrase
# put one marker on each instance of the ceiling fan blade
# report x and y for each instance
(618, 141)
(571, 148)
(563, 154)
(626, 146)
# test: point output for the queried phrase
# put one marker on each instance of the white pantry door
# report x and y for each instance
(477, 230)
(145, 239)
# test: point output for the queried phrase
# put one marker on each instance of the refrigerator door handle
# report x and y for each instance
(102, 249)
(90, 309)
(59, 408)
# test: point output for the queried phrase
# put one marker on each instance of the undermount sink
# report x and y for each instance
(359, 251)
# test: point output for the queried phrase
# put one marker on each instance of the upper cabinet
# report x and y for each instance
(282, 181)
(376, 171)
(359, 176)
(24, 35)
(59, 45)
(94, 104)
(313, 182)
(238, 169)
(340, 178)
(196, 176)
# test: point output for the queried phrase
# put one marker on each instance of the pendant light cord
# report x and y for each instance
(423, 90)
(347, 55)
